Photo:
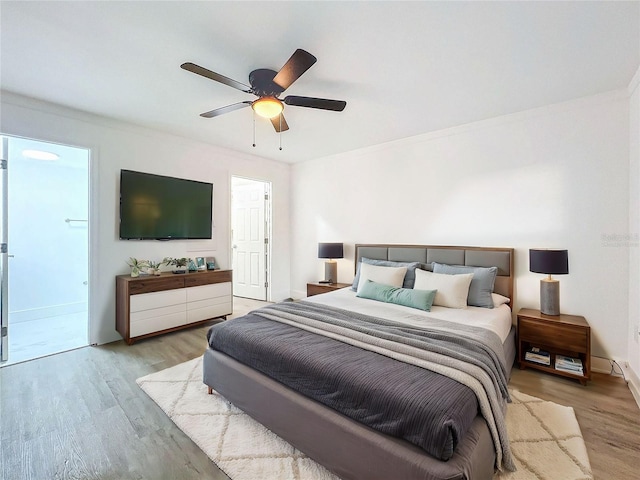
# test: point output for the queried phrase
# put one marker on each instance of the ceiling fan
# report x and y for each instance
(268, 85)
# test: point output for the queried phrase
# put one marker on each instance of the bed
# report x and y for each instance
(281, 366)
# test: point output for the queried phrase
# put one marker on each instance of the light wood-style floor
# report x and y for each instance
(80, 415)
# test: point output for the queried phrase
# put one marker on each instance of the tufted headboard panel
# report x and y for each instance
(451, 255)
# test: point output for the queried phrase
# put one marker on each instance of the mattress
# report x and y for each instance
(498, 319)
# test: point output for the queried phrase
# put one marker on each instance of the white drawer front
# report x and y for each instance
(157, 312)
(146, 301)
(211, 311)
(203, 292)
(208, 302)
(156, 323)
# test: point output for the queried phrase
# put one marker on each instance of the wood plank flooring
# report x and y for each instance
(80, 415)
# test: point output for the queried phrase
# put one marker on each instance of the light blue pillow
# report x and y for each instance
(409, 278)
(482, 283)
(421, 299)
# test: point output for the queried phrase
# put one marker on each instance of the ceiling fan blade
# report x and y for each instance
(275, 121)
(300, 62)
(192, 67)
(229, 108)
(321, 103)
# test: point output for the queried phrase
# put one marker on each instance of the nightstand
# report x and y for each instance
(568, 335)
(318, 288)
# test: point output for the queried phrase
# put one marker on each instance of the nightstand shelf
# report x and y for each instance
(568, 335)
(316, 288)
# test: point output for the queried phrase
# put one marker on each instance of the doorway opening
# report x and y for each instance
(250, 237)
(46, 238)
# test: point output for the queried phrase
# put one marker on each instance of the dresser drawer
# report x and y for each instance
(204, 292)
(553, 335)
(149, 301)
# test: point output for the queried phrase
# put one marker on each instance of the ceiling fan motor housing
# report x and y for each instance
(262, 84)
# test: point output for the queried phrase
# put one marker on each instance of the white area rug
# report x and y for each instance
(545, 437)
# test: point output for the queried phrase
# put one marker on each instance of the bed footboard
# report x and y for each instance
(347, 448)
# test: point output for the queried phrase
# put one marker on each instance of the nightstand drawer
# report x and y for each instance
(553, 335)
(319, 288)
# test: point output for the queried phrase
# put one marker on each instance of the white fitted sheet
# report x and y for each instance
(497, 319)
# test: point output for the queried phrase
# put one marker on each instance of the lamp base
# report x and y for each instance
(549, 297)
(331, 271)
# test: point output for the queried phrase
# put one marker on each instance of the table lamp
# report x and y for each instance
(550, 262)
(330, 251)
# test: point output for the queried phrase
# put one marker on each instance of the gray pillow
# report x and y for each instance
(481, 288)
(421, 299)
(409, 278)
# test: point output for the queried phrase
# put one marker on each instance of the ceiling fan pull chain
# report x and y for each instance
(280, 132)
(254, 129)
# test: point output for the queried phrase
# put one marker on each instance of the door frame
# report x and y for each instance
(268, 218)
(93, 187)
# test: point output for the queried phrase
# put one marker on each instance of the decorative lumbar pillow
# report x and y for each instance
(409, 297)
(452, 290)
(481, 288)
(499, 299)
(409, 278)
(393, 276)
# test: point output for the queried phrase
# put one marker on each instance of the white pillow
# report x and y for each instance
(393, 276)
(452, 290)
(499, 299)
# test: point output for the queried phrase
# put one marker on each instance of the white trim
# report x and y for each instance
(633, 382)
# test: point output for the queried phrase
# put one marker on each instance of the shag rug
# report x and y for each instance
(545, 437)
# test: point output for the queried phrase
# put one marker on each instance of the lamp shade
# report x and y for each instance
(551, 262)
(330, 250)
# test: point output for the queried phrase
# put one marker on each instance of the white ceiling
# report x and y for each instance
(403, 68)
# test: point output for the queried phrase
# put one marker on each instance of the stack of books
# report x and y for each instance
(569, 364)
(534, 354)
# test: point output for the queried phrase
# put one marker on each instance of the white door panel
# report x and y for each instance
(249, 239)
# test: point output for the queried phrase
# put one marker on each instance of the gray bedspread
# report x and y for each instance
(423, 385)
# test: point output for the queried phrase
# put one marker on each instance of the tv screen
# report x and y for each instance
(155, 207)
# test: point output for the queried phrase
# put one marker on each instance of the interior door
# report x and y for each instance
(4, 291)
(249, 238)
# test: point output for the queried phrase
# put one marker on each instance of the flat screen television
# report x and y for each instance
(155, 207)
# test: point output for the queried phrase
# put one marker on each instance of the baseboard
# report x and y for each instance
(46, 312)
(633, 382)
(602, 365)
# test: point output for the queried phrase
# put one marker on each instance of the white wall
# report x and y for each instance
(115, 145)
(634, 234)
(556, 176)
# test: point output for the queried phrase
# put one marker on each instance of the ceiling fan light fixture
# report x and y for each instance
(267, 107)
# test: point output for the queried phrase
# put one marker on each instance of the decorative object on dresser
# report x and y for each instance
(564, 339)
(331, 251)
(137, 266)
(318, 288)
(151, 305)
(549, 262)
(180, 265)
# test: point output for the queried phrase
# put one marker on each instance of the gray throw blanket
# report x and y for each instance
(470, 355)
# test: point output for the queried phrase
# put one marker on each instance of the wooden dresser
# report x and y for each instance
(151, 305)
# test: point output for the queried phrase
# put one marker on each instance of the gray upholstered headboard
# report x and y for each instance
(471, 256)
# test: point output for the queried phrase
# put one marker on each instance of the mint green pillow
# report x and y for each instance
(421, 299)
